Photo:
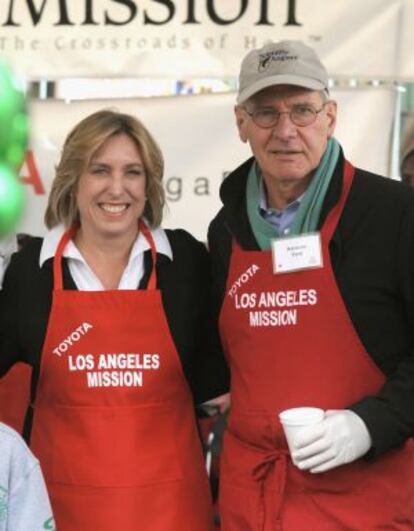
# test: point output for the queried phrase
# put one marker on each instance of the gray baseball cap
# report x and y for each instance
(281, 63)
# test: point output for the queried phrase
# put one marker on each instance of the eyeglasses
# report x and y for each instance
(300, 115)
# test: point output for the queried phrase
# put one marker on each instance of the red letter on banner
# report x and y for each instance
(33, 178)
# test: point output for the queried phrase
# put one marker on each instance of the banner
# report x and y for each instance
(200, 143)
(52, 39)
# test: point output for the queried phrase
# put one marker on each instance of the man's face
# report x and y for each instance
(287, 153)
(407, 170)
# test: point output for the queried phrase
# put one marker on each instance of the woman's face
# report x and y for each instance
(111, 191)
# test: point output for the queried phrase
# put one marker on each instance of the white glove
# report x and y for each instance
(340, 438)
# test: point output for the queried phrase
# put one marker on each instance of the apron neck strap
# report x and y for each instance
(152, 282)
(57, 262)
(333, 217)
(69, 234)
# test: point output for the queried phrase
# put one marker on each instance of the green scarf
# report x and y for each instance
(307, 216)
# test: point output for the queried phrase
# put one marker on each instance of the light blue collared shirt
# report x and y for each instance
(280, 219)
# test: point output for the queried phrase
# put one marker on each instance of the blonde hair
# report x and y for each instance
(79, 148)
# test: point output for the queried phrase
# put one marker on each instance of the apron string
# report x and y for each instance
(272, 464)
(57, 262)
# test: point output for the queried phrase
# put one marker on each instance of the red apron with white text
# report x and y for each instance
(114, 427)
(15, 395)
(290, 343)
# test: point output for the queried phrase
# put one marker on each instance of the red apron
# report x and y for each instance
(15, 395)
(290, 342)
(114, 427)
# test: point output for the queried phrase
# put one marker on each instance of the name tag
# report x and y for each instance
(297, 253)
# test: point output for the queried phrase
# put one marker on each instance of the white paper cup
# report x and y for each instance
(294, 419)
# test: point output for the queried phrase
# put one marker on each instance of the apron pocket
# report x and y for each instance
(240, 508)
(113, 446)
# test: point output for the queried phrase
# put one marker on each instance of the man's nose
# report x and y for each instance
(284, 127)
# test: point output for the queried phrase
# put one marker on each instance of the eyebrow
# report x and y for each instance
(105, 165)
(270, 106)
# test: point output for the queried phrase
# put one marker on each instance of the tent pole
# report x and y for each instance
(394, 158)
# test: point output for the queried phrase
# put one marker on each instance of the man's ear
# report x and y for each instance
(331, 112)
(241, 122)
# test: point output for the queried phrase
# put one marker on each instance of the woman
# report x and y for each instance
(112, 419)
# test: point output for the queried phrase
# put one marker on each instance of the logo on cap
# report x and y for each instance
(266, 58)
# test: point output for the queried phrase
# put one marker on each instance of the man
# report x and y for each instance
(314, 282)
(407, 161)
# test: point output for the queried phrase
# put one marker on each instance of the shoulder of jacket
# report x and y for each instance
(369, 184)
(183, 243)
(218, 227)
(234, 185)
(28, 255)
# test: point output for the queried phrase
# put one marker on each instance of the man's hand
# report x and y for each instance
(340, 438)
(217, 405)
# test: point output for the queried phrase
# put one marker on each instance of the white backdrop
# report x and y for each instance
(405, 62)
(199, 140)
(189, 38)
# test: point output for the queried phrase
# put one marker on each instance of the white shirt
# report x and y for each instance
(8, 246)
(83, 276)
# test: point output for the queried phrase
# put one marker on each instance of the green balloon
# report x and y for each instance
(14, 122)
(11, 200)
